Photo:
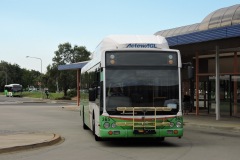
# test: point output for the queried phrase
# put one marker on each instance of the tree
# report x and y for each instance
(66, 54)
(51, 78)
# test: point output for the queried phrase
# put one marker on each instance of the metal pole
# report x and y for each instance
(41, 73)
(230, 89)
(78, 88)
(197, 84)
(217, 93)
(41, 79)
(41, 64)
(235, 86)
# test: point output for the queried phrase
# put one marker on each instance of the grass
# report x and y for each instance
(52, 96)
(32, 94)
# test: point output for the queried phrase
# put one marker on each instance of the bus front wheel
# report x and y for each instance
(94, 129)
(84, 125)
(161, 139)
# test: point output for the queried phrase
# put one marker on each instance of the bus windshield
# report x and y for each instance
(142, 87)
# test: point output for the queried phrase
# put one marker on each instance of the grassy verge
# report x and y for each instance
(52, 96)
(40, 95)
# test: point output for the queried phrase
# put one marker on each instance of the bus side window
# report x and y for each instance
(101, 96)
(94, 91)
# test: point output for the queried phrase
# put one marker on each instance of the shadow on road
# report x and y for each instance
(133, 142)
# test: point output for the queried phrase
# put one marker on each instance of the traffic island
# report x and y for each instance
(23, 141)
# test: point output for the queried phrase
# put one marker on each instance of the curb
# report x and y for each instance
(57, 138)
(227, 128)
(51, 101)
(33, 102)
(71, 108)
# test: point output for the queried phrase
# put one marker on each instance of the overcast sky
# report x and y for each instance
(36, 27)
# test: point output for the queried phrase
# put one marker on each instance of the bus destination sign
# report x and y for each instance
(139, 45)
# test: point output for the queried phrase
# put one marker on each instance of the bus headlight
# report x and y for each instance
(114, 125)
(171, 124)
(106, 125)
(179, 124)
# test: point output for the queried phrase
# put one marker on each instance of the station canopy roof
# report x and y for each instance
(72, 66)
(222, 17)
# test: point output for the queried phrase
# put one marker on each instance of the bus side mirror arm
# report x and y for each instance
(190, 72)
(92, 94)
(190, 69)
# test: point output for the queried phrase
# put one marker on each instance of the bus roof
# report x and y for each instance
(11, 85)
(126, 42)
(113, 42)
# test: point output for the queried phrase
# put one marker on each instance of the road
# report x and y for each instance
(197, 143)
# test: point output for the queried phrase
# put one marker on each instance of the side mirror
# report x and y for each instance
(92, 94)
(95, 84)
(190, 72)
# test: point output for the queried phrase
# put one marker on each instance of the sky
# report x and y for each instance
(35, 28)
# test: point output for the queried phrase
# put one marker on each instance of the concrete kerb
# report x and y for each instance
(71, 108)
(228, 128)
(42, 143)
(49, 101)
(227, 124)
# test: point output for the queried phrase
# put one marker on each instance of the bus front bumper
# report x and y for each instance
(128, 133)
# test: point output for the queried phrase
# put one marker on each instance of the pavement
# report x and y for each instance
(39, 100)
(227, 123)
(17, 100)
(12, 141)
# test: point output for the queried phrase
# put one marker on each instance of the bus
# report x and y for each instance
(132, 89)
(13, 90)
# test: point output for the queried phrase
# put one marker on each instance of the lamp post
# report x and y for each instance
(36, 58)
(41, 71)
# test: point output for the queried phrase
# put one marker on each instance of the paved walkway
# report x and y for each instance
(209, 121)
(10, 142)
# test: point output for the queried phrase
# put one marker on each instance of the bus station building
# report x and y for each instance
(213, 47)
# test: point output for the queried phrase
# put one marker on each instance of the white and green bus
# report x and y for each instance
(13, 90)
(132, 89)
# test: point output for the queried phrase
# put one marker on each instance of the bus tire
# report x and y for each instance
(161, 139)
(94, 129)
(85, 127)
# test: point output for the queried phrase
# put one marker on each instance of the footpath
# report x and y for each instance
(227, 123)
(10, 142)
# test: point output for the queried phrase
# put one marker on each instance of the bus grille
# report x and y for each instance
(144, 126)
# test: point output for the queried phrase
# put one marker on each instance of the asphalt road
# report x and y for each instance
(197, 143)
(15, 100)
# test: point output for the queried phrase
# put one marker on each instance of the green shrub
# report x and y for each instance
(72, 93)
(64, 98)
